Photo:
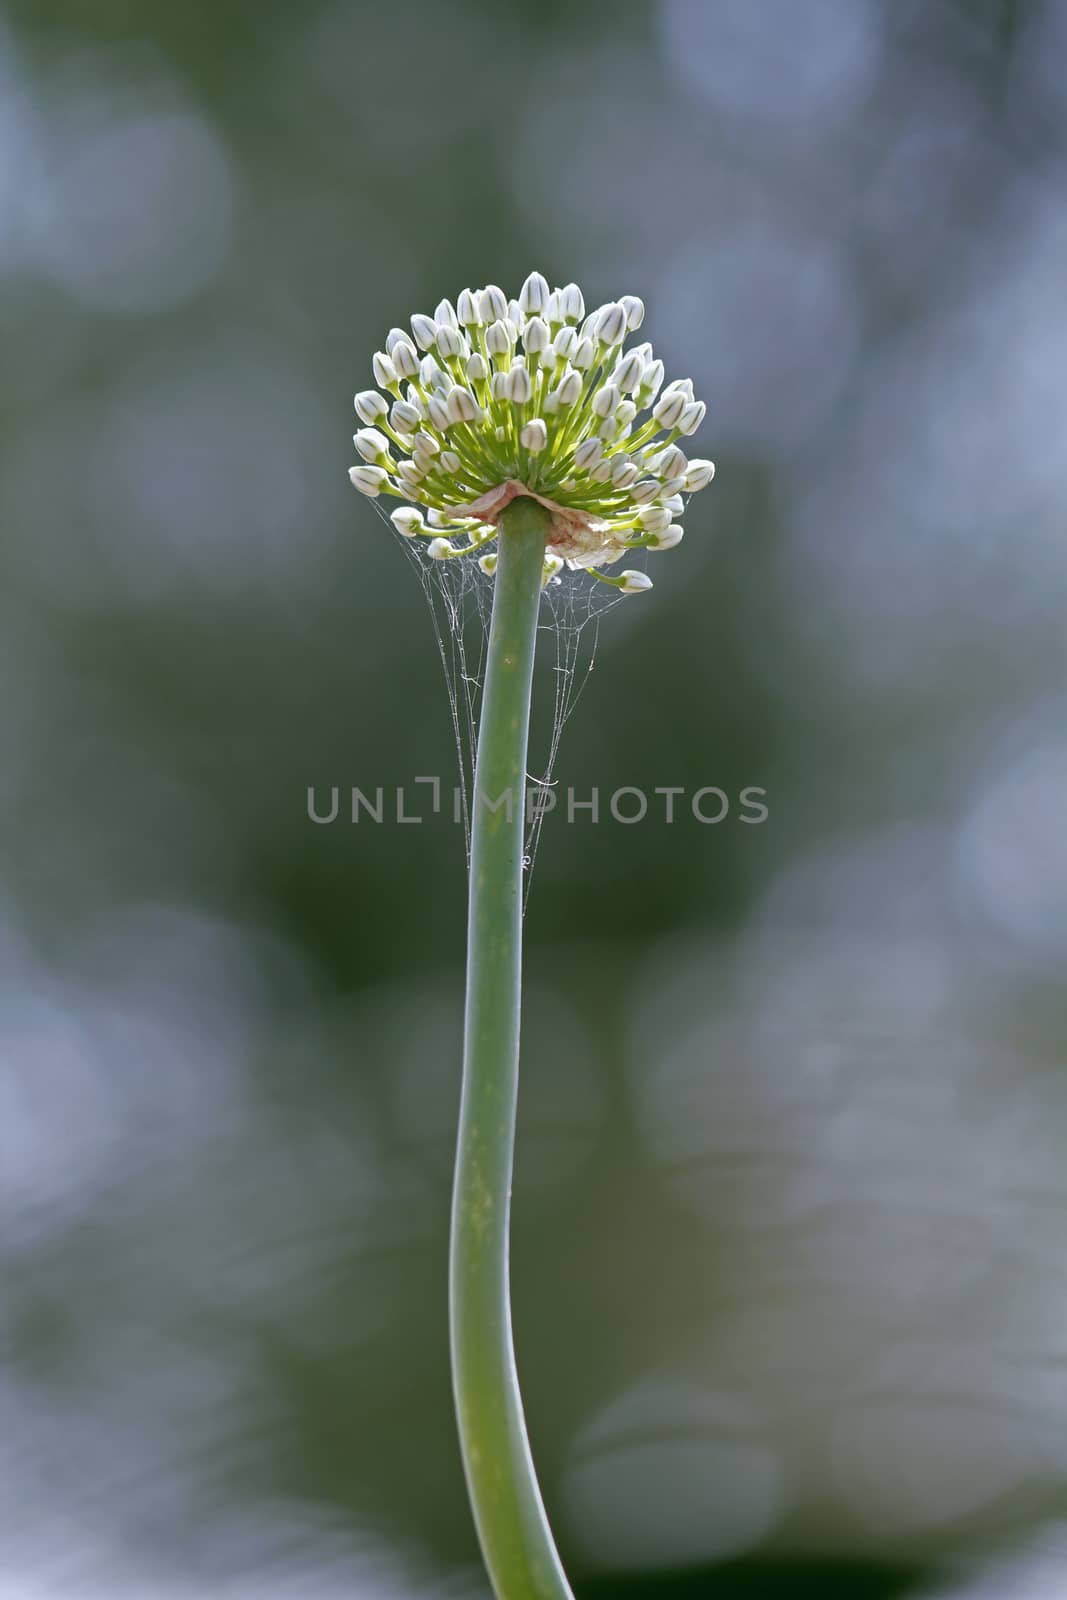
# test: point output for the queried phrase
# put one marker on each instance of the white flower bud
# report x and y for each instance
(571, 303)
(404, 417)
(451, 343)
(430, 374)
(651, 380)
(644, 351)
(623, 472)
(405, 359)
(498, 340)
(384, 371)
(425, 330)
(565, 343)
(627, 375)
(534, 436)
(533, 297)
(371, 444)
(425, 444)
(611, 325)
(670, 462)
(601, 473)
(584, 355)
(370, 407)
(411, 473)
(394, 337)
(653, 519)
(493, 304)
(407, 521)
(645, 491)
(570, 388)
(439, 549)
(515, 316)
(635, 311)
(498, 385)
(635, 582)
(368, 480)
(692, 417)
(669, 537)
(535, 336)
(698, 475)
(588, 454)
(551, 311)
(445, 315)
(468, 309)
(672, 486)
(606, 401)
(450, 461)
(625, 414)
(674, 504)
(437, 412)
(668, 410)
(488, 563)
(462, 406)
(477, 368)
(683, 386)
(519, 387)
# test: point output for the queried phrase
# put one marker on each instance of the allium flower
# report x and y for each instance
(493, 398)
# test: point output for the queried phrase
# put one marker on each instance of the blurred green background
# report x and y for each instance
(790, 1265)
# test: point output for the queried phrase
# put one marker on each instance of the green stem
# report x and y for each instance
(510, 1518)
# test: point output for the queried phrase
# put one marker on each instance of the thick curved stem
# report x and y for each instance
(512, 1527)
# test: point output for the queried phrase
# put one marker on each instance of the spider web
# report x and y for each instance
(459, 597)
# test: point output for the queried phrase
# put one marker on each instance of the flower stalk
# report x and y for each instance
(513, 1529)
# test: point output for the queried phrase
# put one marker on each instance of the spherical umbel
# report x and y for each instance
(491, 398)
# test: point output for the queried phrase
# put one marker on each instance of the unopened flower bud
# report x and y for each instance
(623, 472)
(533, 297)
(519, 387)
(437, 412)
(371, 444)
(692, 417)
(606, 401)
(370, 407)
(497, 338)
(445, 315)
(451, 343)
(439, 549)
(407, 521)
(450, 461)
(493, 304)
(535, 336)
(668, 410)
(588, 454)
(534, 436)
(635, 583)
(404, 417)
(477, 367)
(611, 326)
(368, 480)
(698, 475)
(384, 371)
(488, 563)
(462, 406)
(570, 387)
(425, 330)
(405, 359)
(635, 311)
(669, 537)
(627, 375)
(644, 491)
(468, 309)
(653, 519)
(584, 355)
(571, 304)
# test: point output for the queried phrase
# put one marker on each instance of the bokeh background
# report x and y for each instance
(790, 1259)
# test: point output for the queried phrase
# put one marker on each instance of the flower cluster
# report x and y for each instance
(493, 398)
